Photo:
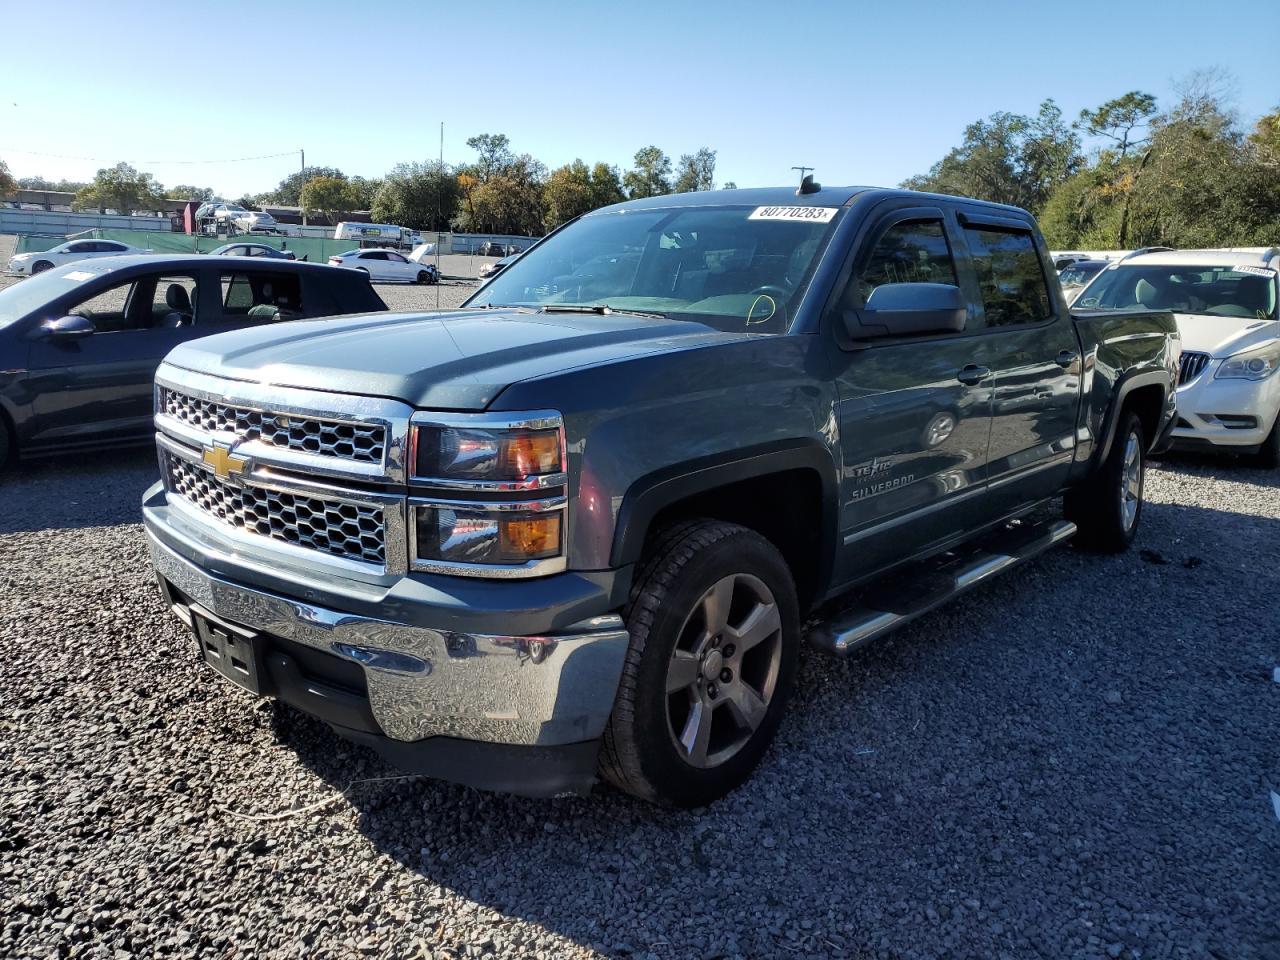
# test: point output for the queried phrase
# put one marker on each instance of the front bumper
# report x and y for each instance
(1231, 414)
(430, 685)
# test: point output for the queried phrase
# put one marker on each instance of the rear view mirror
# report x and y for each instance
(73, 327)
(904, 309)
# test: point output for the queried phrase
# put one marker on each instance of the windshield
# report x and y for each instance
(28, 295)
(1079, 274)
(731, 267)
(1185, 288)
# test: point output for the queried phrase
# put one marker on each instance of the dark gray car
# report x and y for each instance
(79, 344)
(572, 530)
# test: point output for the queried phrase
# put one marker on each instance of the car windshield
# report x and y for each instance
(730, 267)
(1185, 288)
(22, 298)
(1079, 273)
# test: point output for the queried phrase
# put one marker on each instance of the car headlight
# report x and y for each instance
(471, 508)
(1256, 364)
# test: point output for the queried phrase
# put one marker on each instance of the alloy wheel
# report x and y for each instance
(1131, 481)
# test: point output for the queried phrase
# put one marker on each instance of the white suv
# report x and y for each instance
(1227, 304)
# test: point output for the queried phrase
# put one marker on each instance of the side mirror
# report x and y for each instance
(73, 327)
(904, 309)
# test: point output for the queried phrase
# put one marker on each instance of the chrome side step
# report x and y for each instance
(947, 577)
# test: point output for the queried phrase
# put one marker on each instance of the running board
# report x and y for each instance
(900, 599)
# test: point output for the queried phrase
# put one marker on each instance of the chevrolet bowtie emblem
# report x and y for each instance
(224, 462)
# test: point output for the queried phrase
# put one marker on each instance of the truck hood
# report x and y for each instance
(445, 361)
(1222, 336)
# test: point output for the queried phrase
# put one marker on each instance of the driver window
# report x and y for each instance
(914, 251)
(110, 310)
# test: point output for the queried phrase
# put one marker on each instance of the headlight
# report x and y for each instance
(1256, 364)
(479, 519)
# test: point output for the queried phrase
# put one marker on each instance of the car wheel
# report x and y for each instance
(1108, 507)
(715, 636)
(1268, 456)
(40, 266)
(424, 276)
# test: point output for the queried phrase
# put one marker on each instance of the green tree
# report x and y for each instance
(188, 192)
(1265, 137)
(289, 192)
(364, 191)
(567, 194)
(606, 186)
(508, 202)
(120, 188)
(696, 171)
(422, 196)
(1118, 120)
(250, 202)
(730, 185)
(54, 186)
(331, 197)
(651, 176)
(494, 154)
(1008, 158)
(8, 185)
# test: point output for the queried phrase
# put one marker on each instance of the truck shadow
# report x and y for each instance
(1021, 732)
(98, 489)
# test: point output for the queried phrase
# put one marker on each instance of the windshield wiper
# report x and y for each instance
(602, 309)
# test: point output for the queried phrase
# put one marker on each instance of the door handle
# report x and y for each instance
(972, 374)
(1066, 358)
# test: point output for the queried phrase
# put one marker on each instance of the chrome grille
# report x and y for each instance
(360, 442)
(352, 531)
(1192, 366)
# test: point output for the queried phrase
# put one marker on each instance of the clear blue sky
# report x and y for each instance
(864, 93)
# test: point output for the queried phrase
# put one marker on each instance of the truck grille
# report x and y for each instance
(360, 442)
(352, 531)
(1192, 366)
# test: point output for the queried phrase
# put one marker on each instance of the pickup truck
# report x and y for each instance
(571, 531)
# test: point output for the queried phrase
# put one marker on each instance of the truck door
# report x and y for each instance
(1034, 361)
(914, 413)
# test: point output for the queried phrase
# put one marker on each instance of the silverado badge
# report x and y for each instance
(224, 462)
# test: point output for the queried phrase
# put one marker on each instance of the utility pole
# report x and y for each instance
(303, 155)
(439, 212)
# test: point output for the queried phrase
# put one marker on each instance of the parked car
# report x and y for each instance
(493, 269)
(387, 265)
(1226, 304)
(69, 252)
(252, 250)
(79, 345)
(492, 248)
(574, 527)
(1076, 277)
(227, 215)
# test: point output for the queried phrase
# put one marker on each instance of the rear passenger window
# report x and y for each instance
(1010, 276)
(261, 296)
(911, 252)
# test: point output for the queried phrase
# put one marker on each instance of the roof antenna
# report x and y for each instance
(807, 185)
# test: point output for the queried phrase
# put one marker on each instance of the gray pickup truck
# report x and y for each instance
(572, 529)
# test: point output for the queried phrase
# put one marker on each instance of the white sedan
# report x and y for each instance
(382, 264)
(30, 263)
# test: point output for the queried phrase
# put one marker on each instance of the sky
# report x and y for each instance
(864, 93)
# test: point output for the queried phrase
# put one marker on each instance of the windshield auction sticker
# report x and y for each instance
(805, 214)
(77, 276)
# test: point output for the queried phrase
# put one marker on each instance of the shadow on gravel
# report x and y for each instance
(98, 489)
(1069, 761)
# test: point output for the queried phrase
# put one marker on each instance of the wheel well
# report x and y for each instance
(1146, 402)
(785, 508)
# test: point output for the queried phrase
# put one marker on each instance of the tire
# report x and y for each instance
(696, 711)
(1268, 455)
(1107, 508)
(424, 277)
(40, 266)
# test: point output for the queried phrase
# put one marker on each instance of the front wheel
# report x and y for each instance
(1108, 506)
(424, 277)
(715, 636)
(1268, 456)
(40, 266)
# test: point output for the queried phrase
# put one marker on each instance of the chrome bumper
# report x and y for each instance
(526, 690)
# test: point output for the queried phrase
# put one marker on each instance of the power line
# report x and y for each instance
(63, 156)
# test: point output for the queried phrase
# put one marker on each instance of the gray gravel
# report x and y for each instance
(1074, 761)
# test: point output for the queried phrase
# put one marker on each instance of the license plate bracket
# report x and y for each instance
(236, 653)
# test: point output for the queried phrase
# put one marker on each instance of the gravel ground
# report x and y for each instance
(1075, 761)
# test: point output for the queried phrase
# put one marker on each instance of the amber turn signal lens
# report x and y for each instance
(530, 537)
(531, 454)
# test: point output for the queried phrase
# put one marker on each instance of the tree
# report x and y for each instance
(8, 185)
(1118, 119)
(729, 185)
(696, 171)
(186, 192)
(422, 196)
(651, 176)
(331, 197)
(59, 186)
(1008, 158)
(494, 154)
(568, 193)
(364, 191)
(250, 202)
(1265, 137)
(120, 188)
(606, 186)
(289, 192)
(510, 201)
